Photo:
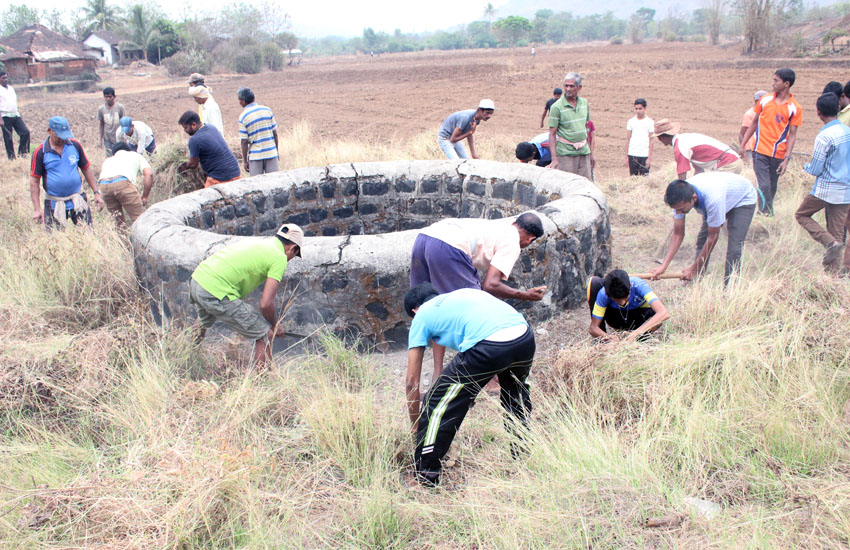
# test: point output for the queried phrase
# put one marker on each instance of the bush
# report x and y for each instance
(272, 56)
(617, 40)
(186, 62)
(249, 60)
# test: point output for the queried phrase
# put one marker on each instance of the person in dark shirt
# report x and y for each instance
(556, 95)
(208, 148)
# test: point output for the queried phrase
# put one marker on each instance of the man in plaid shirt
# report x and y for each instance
(830, 165)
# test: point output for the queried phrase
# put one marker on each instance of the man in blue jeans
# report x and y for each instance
(461, 125)
(492, 339)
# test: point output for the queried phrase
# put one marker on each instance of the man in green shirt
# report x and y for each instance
(221, 281)
(844, 105)
(568, 143)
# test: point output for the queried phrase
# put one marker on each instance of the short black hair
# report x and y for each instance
(641, 101)
(617, 284)
(786, 75)
(558, 91)
(678, 191)
(245, 94)
(833, 88)
(189, 117)
(108, 91)
(417, 296)
(2, 73)
(121, 146)
(827, 104)
(846, 90)
(526, 151)
(530, 223)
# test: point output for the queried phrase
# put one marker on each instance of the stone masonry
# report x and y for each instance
(360, 221)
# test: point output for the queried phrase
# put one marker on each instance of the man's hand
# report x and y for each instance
(279, 331)
(247, 168)
(536, 294)
(592, 162)
(98, 200)
(38, 216)
(144, 201)
(472, 127)
(648, 161)
(689, 272)
(627, 161)
(782, 166)
(553, 164)
(653, 275)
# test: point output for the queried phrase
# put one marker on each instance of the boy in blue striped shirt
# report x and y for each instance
(830, 165)
(258, 135)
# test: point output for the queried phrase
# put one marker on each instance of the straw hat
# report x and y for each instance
(665, 127)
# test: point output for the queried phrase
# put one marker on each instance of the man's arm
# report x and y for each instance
(88, 173)
(743, 139)
(691, 271)
(493, 284)
(35, 194)
(276, 146)
(102, 125)
(190, 164)
(651, 149)
(661, 315)
(543, 117)
(553, 147)
(458, 135)
(414, 371)
(675, 242)
(471, 142)
(267, 307)
(148, 185)
(792, 139)
(628, 139)
(245, 145)
(595, 330)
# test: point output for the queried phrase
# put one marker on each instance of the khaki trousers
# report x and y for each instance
(120, 196)
(736, 167)
(836, 220)
(577, 164)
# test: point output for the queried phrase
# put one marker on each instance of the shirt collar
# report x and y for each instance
(700, 199)
(832, 123)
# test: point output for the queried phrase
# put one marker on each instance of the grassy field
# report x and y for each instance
(115, 433)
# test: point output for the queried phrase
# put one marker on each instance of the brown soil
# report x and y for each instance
(394, 97)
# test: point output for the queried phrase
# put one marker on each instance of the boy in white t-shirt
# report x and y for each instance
(639, 130)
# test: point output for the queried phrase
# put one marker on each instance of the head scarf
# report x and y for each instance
(199, 91)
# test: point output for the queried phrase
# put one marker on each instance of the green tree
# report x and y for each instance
(163, 40)
(489, 13)
(374, 41)
(241, 19)
(18, 16)
(139, 26)
(513, 28)
(541, 25)
(713, 13)
(100, 16)
(480, 35)
(287, 41)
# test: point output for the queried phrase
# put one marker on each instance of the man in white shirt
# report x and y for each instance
(208, 109)
(639, 130)
(11, 120)
(138, 134)
(117, 182)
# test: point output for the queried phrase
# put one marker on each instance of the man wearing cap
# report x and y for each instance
(778, 115)
(196, 79)
(556, 95)
(109, 117)
(257, 134)
(697, 151)
(721, 198)
(138, 134)
(55, 164)
(449, 255)
(209, 150)
(568, 136)
(746, 122)
(10, 119)
(536, 149)
(221, 282)
(461, 125)
(208, 109)
(117, 182)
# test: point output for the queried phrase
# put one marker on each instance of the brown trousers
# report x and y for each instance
(120, 196)
(836, 221)
(578, 164)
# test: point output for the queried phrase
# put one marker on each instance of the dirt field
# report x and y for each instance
(395, 97)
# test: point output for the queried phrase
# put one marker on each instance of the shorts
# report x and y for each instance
(441, 264)
(237, 314)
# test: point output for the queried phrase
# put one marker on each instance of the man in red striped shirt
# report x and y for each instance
(697, 151)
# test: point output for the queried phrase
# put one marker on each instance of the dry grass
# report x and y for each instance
(117, 434)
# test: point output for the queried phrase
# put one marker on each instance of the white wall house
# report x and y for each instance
(100, 42)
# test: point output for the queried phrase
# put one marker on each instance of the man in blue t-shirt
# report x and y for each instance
(208, 148)
(491, 338)
(536, 149)
(56, 165)
(625, 303)
(461, 125)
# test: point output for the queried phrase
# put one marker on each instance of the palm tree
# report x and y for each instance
(139, 25)
(99, 15)
(489, 12)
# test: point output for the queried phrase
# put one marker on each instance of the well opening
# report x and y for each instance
(361, 220)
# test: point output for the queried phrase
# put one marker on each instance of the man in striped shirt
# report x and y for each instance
(258, 132)
(697, 151)
(778, 116)
(830, 165)
(720, 197)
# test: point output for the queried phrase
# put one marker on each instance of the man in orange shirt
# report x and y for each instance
(778, 116)
(749, 116)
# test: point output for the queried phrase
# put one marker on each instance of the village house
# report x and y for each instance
(37, 53)
(108, 49)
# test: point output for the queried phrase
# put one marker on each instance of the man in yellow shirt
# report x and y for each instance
(221, 282)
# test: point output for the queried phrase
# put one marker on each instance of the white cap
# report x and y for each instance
(487, 104)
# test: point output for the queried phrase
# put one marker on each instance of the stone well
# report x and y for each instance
(360, 221)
